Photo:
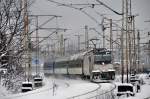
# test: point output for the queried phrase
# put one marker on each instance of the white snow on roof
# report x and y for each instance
(95, 71)
(72, 57)
(77, 56)
(62, 59)
(111, 69)
(124, 84)
(26, 82)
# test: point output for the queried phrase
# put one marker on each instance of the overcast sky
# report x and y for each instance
(76, 20)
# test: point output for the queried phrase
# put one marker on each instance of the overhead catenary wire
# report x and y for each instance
(109, 7)
(45, 38)
(106, 36)
(83, 11)
(79, 9)
(43, 23)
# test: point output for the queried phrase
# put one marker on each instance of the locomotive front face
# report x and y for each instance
(102, 62)
(102, 56)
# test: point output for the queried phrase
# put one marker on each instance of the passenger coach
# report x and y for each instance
(94, 64)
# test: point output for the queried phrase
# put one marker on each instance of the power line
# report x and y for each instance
(79, 9)
(109, 7)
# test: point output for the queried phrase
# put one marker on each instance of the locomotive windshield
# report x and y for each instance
(102, 57)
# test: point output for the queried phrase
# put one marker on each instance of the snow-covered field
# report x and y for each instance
(70, 88)
(64, 88)
(145, 90)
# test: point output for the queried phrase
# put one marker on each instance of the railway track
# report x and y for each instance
(98, 93)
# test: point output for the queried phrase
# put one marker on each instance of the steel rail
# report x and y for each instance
(77, 96)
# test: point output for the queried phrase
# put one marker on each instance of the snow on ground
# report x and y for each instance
(3, 92)
(65, 88)
(145, 89)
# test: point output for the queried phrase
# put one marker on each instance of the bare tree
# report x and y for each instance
(11, 39)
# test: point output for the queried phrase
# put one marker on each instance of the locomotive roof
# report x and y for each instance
(74, 56)
(79, 55)
(62, 59)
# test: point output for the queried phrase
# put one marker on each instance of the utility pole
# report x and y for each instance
(122, 44)
(86, 38)
(48, 50)
(27, 42)
(64, 53)
(126, 25)
(127, 50)
(103, 36)
(111, 36)
(134, 47)
(61, 44)
(78, 41)
(130, 34)
(148, 47)
(111, 41)
(37, 48)
(138, 53)
(24, 36)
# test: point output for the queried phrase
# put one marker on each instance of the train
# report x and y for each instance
(95, 64)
